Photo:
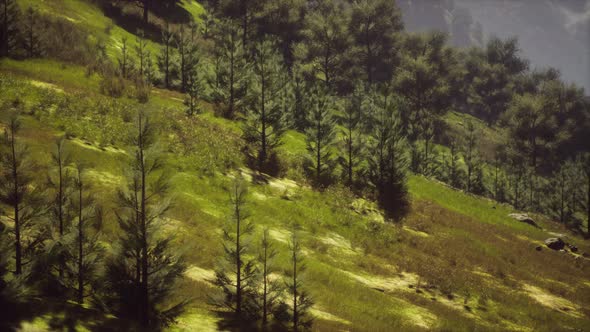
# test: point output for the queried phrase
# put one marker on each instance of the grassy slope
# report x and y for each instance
(359, 269)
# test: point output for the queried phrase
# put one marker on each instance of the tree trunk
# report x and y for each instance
(265, 289)
(295, 312)
(144, 244)
(263, 152)
(80, 247)
(238, 258)
(60, 210)
(231, 77)
(146, 10)
(16, 206)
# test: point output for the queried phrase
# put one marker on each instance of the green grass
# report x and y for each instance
(454, 242)
(53, 72)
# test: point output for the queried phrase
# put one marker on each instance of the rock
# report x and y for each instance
(555, 243)
(538, 248)
(523, 217)
(572, 247)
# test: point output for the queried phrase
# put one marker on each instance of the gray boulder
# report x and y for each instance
(523, 217)
(555, 243)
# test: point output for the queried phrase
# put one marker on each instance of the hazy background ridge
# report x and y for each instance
(553, 33)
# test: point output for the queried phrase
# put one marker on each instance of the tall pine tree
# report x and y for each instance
(320, 136)
(143, 274)
(236, 275)
(265, 116)
(388, 161)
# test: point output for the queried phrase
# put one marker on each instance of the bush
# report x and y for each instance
(142, 91)
(112, 85)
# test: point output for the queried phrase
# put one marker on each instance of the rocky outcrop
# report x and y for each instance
(555, 243)
(523, 217)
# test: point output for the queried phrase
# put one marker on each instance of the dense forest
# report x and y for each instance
(369, 107)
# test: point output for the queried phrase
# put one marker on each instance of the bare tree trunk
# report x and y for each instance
(80, 242)
(238, 258)
(16, 204)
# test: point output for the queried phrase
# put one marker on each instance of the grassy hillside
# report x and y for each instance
(455, 263)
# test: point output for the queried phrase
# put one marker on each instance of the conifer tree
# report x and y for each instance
(60, 182)
(165, 58)
(326, 41)
(232, 70)
(12, 289)
(265, 118)
(84, 252)
(300, 299)
(320, 136)
(143, 274)
(124, 60)
(373, 26)
(584, 165)
(352, 122)
(187, 52)
(559, 189)
(17, 193)
(270, 295)
(236, 276)
(387, 157)
(9, 30)
(454, 174)
(194, 92)
(516, 179)
(470, 155)
(300, 101)
(142, 54)
(32, 41)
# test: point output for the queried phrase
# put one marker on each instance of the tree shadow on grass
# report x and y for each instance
(228, 322)
(59, 316)
(132, 22)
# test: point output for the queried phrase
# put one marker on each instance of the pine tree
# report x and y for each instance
(320, 136)
(559, 189)
(300, 101)
(124, 60)
(516, 179)
(301, 302)
(326, 41)
(187, 52)
(236, 276)
(232, 69)
(454, 172)
(470, 155)
(165, 58)
(194, 92)
(265, 117)
(32, 42)
(16, 193)
(387, 157)
(584, 165)
(270, 296)
(245, 13)
(352, 122)
(142, 54)
(12, 289)
(60, 182)
(9, 31)
(84, 252)
(143, 274)
(373, 27)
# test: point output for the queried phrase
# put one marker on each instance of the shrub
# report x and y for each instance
(112, 85)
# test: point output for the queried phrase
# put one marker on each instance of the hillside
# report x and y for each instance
(454, 262)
